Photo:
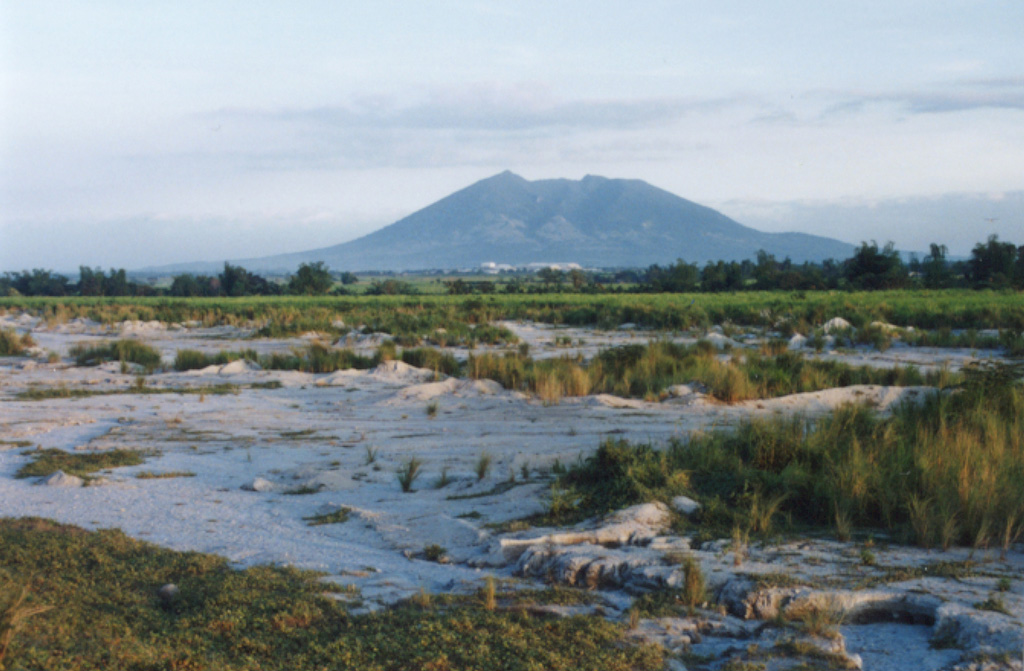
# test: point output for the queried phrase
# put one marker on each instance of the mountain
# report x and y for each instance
(595, 222)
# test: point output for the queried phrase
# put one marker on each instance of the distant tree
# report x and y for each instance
(996, 264)
(578, 278)
(678, 277)
(551, 277)
(935, 272)
(117, 284)
(874, 268)
(348, 278)
(38, 282)
(189, 285)
(90, 282)
(311, 278)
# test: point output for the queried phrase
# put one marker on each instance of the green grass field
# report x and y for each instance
(419, 315)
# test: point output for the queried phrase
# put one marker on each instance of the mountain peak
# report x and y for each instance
(595, 221)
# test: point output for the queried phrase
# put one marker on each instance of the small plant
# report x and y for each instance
(371, 454)
(867, 557)
(408, 473)
(432, 409)
(434, 552)
(483, 465)
(488, 595)
(443, 480)
(150, 475)
(337, 517)
(304, 490)
(12, 344)
(739, 546)
(1004, 584)
(422, 599)
(45, 462)
(995, 604)
(694, 590)
(524, 470)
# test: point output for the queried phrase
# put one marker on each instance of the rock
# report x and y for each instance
(168, 593)
(62, 479)
(239, 366)
(797, 341)
(836, 324)
(259, 485)
(685, 505)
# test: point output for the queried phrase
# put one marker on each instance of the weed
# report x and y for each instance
(371, 455)
(488, 595)
(1004, 585)
(432, 409)
(434, 552)
(336, 517)
(483, 465)
(150, 475)
(408, 473)
(12, 344)
(443, 480)
(125, 350)
(694, 591)
(82, 464)
(994, 603)
(867, 557)
(303, 490)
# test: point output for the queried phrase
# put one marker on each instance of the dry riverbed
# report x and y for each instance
(248, 471)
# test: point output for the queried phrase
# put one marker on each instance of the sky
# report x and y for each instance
(136, 134)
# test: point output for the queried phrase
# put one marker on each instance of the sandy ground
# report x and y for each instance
(319, 443)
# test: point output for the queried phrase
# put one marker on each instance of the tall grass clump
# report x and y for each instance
(190, 359)
(408, 473)
(945, 471)
(12, 344)
(124, 350)
(648, 371)
(318, 358)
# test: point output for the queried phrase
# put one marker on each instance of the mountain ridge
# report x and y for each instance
(594, 221)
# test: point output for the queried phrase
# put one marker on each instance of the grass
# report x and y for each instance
(12, 344)
(103, 586)
(150, 475)
(647, 371)
(408, 473)
(82, 464)
(483, 465)
(124, 350)
(954, 457)
(190, 359)
(465, 318)
(338, 516)
(63, 391)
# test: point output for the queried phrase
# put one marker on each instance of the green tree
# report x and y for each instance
(311, 278)
(874, 268)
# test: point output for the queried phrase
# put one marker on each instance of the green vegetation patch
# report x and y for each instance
(82, 464)
(943, 471)
(63, 391)
(647, 371)
(337, 517)
(125, 351)
(12, 344)
(107, 615)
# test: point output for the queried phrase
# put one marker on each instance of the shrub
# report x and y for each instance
(408, 473)
(12, 344)
(124, 350)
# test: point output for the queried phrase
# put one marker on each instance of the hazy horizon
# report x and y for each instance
(134, 135)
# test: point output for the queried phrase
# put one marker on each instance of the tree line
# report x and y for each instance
(992, 265)
(309, 279)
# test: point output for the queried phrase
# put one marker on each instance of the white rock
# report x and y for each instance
(685, 505)
(259, 485)
(62, 479)
(797, 341)
(836, 324)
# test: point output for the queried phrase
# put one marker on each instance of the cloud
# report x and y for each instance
(967, 95)
(487, 108)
